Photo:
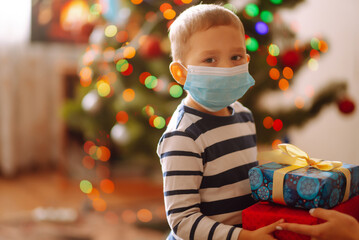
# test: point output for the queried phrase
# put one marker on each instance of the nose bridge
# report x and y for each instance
(225, 62)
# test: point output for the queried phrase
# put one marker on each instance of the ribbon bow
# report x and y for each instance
(297, 158)
(302, 159)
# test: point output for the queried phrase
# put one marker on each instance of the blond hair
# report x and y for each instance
(198, 18)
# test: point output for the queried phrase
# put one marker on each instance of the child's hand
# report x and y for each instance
(338, 226)
(264, 233)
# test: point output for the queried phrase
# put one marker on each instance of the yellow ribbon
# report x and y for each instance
(297, 158)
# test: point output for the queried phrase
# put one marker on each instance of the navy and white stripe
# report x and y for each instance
(205, 161)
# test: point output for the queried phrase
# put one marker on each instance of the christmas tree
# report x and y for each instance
(126, 95)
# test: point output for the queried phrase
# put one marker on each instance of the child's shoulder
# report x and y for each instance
(238, 107)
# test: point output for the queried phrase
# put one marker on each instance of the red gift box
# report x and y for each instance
(263, 213)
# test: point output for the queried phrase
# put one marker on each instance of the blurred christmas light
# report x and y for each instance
(95, 9)
(103, 153)
(148, 111)
(314, 54)
(186, 1)
(276, 1)
(74, 15)
(271, 60)
(275, 143)
(299, 102)
(128, 95)
(165, 6)
(266, 16)
(151, 82)
(288, 73)
(129, 52)
(99, 204)
(119, 134)
(144, 215)
(273, 50)
(85, 186)
(93, 194)
(169, 14)
(251, 44)
(283, 84)
(107, 186)
(323, 46)
(128, 71)
(128, 216)
(252, 10)
(87, 146)
(159, 122)
(136, 2)
(268, 122)
(122, 65)
(103, 89)
(151, 120)
(110, 31)
(122, 36)
(261, 28)
(85, 76)
(314, 43)
(313, 64)
(93, 151)
(277, 125)
(88, 162)
(91, 102)
(122, 117)
(151, 16)
(176, 91)
(143, 77)
(274, 73)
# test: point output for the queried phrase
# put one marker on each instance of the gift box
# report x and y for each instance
(307, 184)
(264, 213)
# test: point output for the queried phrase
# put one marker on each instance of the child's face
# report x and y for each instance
(220, 46)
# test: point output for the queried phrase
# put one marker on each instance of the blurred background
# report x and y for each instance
(85, 95)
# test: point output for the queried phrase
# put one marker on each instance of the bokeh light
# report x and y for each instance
(252, 44)
(122, 36)
(99, 204)
(276, 1)
(143, 77)
(169, 14)
(277, 125)
(88, 162)
(261, 28)
(144, 215)
(122, 117)
(271, 60)
(128, 95)
(148, 111)
(314, 54)
(288, 73)
(252, 10)
(85, 76)
(129, 52)
(266, 16)
(107, 186)
(103, 89)
(299, 102)
(151, 120)
(136, 2)
(110, 31)
(165, 6)
(176, 91)
(313, 64)
(128, 71)
(85, 186)
(323, 46)
(93, 194)
(273, 50)
(88, 145)
(283, 84)
(128, 216)
(159, 122)
(275, 143)
(186, 1)
(122, 65)
(103, 153)
(151, 82)
(314, 43)
(268, 122)
(274, 73)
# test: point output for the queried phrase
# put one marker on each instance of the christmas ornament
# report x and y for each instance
(151, 47)
(292, 59)
(346, 105)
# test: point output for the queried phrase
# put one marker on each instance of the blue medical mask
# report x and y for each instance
(215, 88)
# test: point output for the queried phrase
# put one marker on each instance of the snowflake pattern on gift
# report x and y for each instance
(263, 193)
(308, 188)
(255, 178)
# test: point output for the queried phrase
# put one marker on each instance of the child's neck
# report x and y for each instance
(191, 103)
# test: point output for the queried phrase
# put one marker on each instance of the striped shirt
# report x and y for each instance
(205, 161)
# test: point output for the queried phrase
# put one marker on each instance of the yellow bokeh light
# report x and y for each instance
(128, 95)
(283, 84)
(144, 215)
(110, 31)
(99, 204)
(103, 89)
(169, 14)
(136, 2)
(275, 143)
(129, 52)
(93, 194)
(186, 1)
(323, 46)
(313, 64)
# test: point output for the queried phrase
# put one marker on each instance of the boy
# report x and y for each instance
(210, 142)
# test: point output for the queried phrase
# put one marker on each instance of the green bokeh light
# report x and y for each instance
(148, 111)
(176, 91)
(85, 186)
(122, 65)
(151, 82)
(159, 122)
(252, 10)
(276, 1)
(315, 43)
(266, 16)
(273, 50)
(252, 44)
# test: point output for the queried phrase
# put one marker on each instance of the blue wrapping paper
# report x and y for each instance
(305, 187)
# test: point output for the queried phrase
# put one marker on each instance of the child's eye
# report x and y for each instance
(236, 58)
(209, 60)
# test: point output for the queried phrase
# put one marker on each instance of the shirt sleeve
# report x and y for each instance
(182, 168)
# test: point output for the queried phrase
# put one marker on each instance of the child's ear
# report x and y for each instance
(179, 72)
(248, 58)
